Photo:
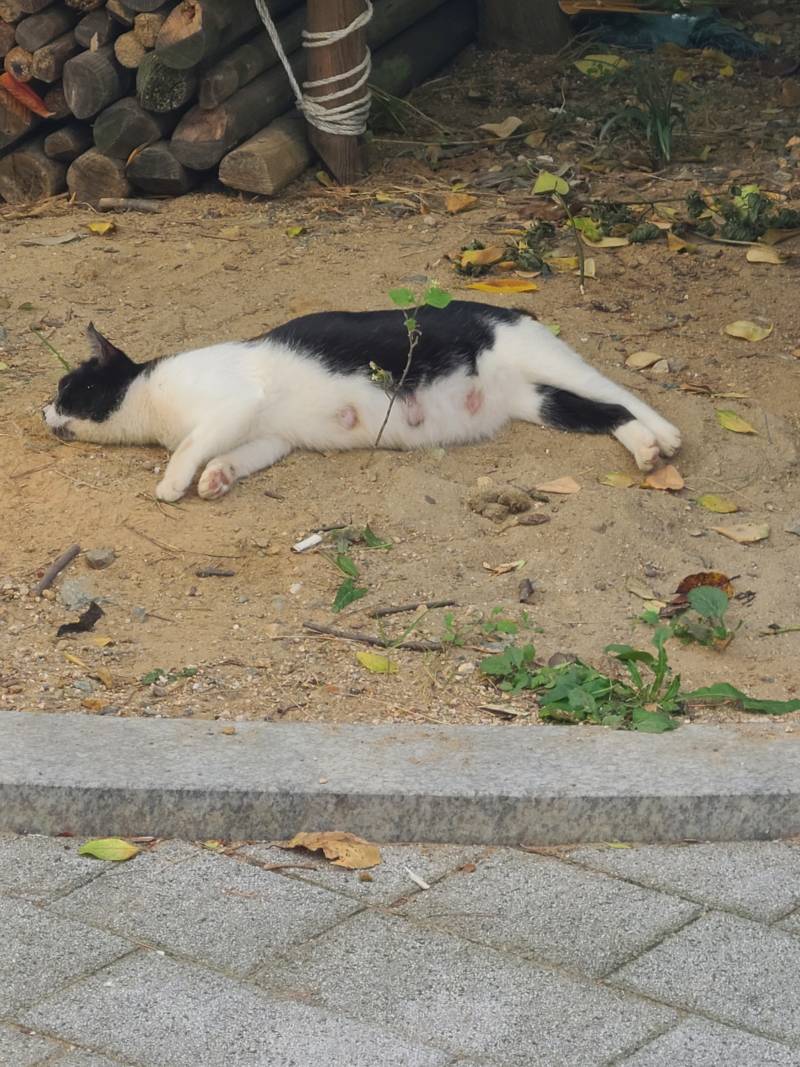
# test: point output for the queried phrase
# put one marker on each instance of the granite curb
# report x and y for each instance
(464, 785)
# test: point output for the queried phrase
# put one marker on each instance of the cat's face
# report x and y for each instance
(89, 397)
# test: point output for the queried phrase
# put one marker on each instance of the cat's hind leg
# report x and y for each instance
(564, 410)
(222, 471)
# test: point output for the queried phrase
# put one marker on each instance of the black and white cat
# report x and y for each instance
(238, 407)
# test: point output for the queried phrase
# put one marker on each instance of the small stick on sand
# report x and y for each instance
(122, 203)
(55, 568)
(373, 639)
(380, 613)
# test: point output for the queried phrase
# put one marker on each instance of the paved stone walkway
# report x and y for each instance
(683, 956)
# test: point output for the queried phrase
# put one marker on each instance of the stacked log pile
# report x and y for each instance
(104, 97)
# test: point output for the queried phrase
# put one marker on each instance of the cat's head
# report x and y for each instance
(87, 403)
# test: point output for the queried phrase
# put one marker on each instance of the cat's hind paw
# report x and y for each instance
(216, 480)
(641, 442)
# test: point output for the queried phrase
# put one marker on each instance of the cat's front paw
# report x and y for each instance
(168, 491)
(215, 481)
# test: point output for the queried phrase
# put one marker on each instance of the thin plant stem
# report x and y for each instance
(413, 340)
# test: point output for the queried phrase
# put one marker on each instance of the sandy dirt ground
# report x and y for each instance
(212, 266)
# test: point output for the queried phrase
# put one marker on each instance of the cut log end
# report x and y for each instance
(28, 175)
(93, 175)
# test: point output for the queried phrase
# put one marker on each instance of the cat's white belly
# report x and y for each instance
(456, 409)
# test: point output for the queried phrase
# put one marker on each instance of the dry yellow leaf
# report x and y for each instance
(764, 254)
(377, 662)
(606, 242)
(640, 360)
(667, 477)
(344, 850)
(644, 592)
(774, 237)
(617, 479)
(100, 641)
(101, 228)
(749, 331)
(744, 533)
(601, 65)
(729, 420)
(455, 203)
(482, 257)
(535, 139)
(504, 285)
(676, 244)
(718, 504)
(561, 264)
(504, 128)
(103, 676)
(76, 660)
(565, 486)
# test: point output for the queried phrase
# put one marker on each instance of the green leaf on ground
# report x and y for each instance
(725, 693)
(347, 593)
(115, 849)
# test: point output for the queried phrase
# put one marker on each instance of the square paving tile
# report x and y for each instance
(760, 879)
(213, 908)
(35, 866)
(40, 951)
(164, 1013)
(738, 971)
(699, 1043)
(551, 911)
(18, 1048)
(465, 998)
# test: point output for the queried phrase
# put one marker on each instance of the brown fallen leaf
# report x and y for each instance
(664, 478)
(744, 533)
(640, 360)
(504, 568)
(342, 849)
(455, 203)
(502, 129)
(715, 578)
(564, 486)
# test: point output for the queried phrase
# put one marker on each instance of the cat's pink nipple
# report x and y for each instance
(348, 417)
(473, 401)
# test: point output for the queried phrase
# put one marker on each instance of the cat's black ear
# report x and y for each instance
(102, 349)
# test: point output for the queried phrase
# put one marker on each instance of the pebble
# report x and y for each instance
(98, 558)
(139, 614)
(84, 685)
(75, 594)
(793, 527)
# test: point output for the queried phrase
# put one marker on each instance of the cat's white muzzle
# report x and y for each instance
(59, 424)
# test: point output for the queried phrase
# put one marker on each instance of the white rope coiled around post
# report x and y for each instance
(347, 120)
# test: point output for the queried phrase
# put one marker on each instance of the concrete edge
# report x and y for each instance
(471, 785)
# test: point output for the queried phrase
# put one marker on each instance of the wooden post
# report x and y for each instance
(523, 25)
(342, 154)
